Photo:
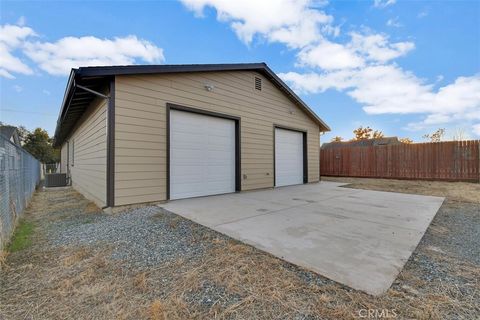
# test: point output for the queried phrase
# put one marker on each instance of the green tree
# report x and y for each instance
(39, 144)
(22, 133)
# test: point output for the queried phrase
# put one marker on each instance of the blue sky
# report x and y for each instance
(404, 67)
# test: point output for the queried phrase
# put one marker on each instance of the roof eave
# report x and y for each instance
(152, 69)
(296, 98)
(68, 92)
(84, 72)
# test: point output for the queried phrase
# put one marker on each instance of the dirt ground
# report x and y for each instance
(456, 191)
(226, 279)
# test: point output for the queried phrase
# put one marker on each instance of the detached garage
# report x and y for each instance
(139, 134)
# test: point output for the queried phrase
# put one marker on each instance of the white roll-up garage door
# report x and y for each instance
(202, 155)
(288, 157)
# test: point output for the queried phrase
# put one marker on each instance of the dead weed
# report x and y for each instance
(41, 282)
(455, 191)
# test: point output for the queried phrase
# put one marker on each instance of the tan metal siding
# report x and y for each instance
(88, 152)
(140, 133)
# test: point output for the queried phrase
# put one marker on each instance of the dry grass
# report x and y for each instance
(140, 282)
(75, 257)
(240, 282)
(271, 289)
(3, 258)
(156, 310)
(457, 191)
(92, 208)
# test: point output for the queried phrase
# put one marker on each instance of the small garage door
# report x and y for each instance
(288, 157)
(202, 155)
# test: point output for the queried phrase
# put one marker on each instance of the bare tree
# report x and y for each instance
(460, 134)
(377, 134)
(436, 136)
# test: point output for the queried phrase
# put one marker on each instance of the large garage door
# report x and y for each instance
(288, 157)
(202, 155)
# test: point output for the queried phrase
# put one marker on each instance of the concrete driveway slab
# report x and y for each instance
(360, 238)
(222, 208)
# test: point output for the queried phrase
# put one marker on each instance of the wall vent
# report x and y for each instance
(258, 83)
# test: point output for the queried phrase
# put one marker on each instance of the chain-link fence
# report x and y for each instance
(19, 175)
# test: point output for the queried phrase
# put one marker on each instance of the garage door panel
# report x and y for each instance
(185, 155)
(218, 143)
(184, 171)
(288, 157)
(182, 139)
(218, 172)
(220, 155)
(194, 189)
(202, 155)
(186, 190)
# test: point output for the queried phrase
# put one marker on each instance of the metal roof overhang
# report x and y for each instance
(76, 100)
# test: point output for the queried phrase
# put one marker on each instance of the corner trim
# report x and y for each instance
(238, 157)
(168, 151)
(111, 146)
(238, 165)
(305, 158)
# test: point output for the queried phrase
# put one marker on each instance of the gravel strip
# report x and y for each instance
(142, 237)
(440, 280)
(461, 224)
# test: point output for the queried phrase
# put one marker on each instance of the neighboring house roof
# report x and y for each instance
(76, 100)
(10, 133)
(363, 143)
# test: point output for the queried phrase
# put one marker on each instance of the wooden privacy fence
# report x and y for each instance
(452, 160)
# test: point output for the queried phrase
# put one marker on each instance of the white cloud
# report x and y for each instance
(59, 57)
(461, 96)
(388, 89)
(11, 39)
(17, 88)
(329, 56)
(46, 92)
(383, 3)
(295, 23)
(376, 47)
(362, 48)
(363, 66)
(13, 36)
(5, 73)
(394, 22)
(314, 82)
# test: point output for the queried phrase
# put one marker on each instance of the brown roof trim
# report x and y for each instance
(92, 76)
